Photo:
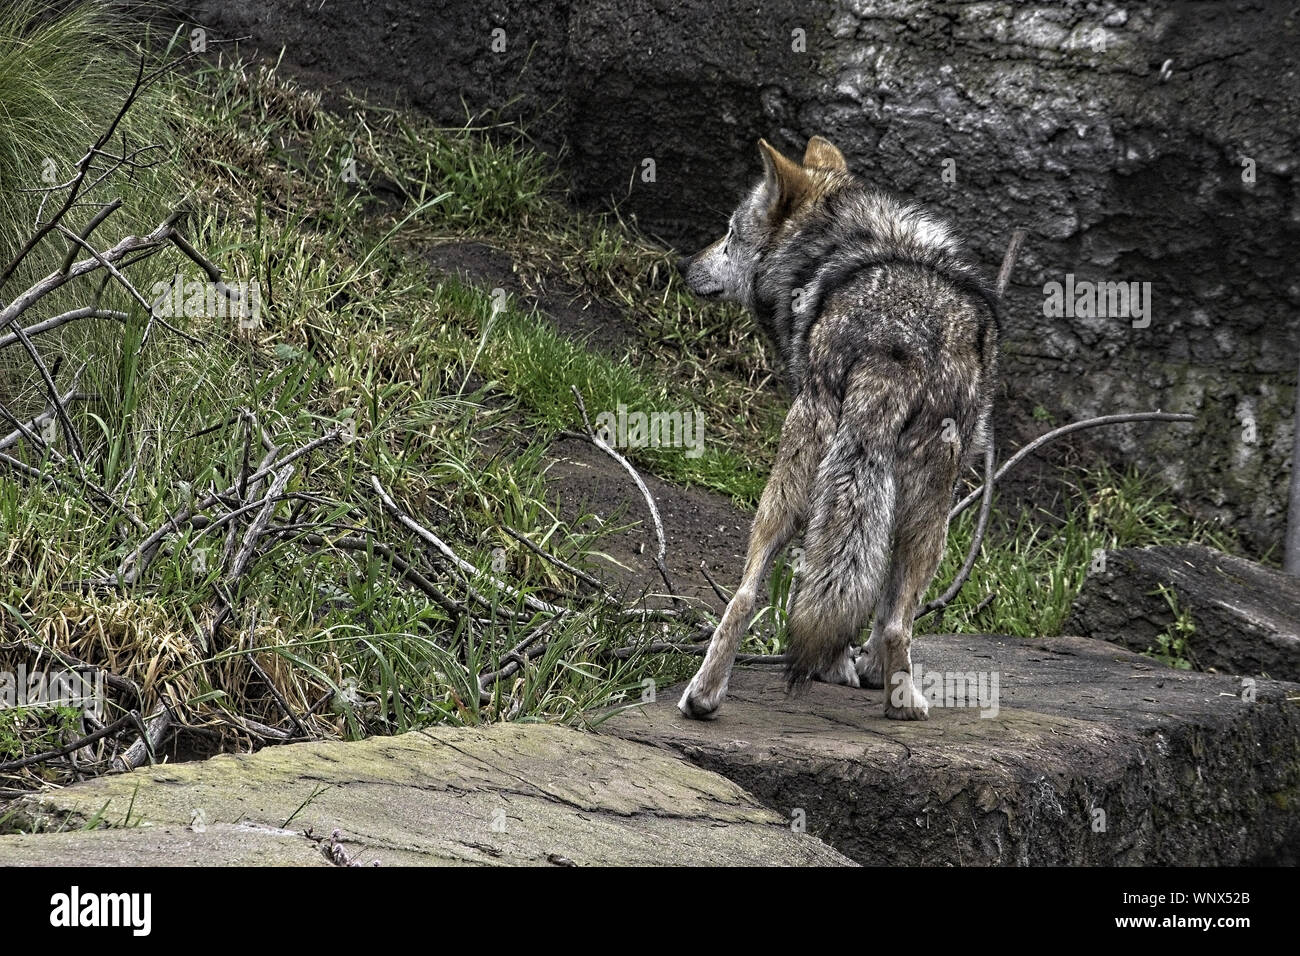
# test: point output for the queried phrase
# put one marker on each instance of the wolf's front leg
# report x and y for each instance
(781, 513)
(703, 695)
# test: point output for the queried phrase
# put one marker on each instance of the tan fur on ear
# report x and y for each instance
(821, 153)
(790, 183)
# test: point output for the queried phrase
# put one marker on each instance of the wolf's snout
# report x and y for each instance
(684, 263)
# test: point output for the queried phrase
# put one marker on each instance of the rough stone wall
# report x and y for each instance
(1115, 133)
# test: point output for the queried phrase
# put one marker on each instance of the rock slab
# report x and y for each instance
(1247, 616)
(506, 794)
(1092, 755)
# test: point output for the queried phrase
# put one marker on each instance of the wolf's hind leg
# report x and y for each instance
(918, 547)
(781, 514)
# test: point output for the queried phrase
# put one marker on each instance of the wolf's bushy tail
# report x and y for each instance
(849, 532)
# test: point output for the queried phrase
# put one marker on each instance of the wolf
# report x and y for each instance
(887, 340)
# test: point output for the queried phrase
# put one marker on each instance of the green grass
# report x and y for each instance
(1172, 647)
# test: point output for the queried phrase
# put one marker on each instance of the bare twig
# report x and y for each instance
(83, 167)
(74, 441)
(578, 573)
(67, 660)
(251, 655)
(156, 729)
(47, 325)
(77, 744)
(134, 564)
(404, 567)
(641, 486)
(1056, 433)
(91, 226)
(1009, 261)
(56, 280)
(130, 288)
(515, 659)
(717, 589)
(259, 525)
(533, 603)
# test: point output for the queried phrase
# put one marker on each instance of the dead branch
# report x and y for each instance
(57, 279)
(442, 548)
(74, 441)
(515, 659)
(1009, 261)
(641, 486)
(63, 751)
(578, 573)
(130, 288)
(251, 655)
(717, 589)
(404, 567)
(259, 525)
(91, 226)
(67, 660)
(1056, 433)
(54, 322)
(83, 168)
(135, 563)
(154, 731)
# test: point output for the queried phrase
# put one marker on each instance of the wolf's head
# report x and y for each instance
(726, 269)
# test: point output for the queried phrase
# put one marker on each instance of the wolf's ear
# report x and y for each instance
(788, 182)
(822, 153)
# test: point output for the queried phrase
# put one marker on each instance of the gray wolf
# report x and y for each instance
(887, 341)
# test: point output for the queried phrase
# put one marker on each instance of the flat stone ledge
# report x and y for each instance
(1095, 755)
(506, 794)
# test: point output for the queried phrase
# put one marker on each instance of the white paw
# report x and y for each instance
(700, 703)
(904, 701)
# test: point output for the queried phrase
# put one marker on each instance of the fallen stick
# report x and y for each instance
(456, 560)
(404, 567)
(74, 440)
(54, 322)
(135, 563)
(578, 573)
(157, 727)
(641, 486)
(77, 744)
(1056, 433)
